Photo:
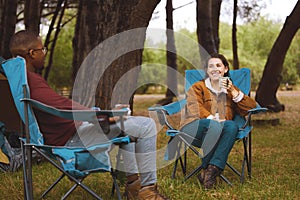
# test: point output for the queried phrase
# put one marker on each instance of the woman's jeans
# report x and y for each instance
(215, 138)
(138, 157)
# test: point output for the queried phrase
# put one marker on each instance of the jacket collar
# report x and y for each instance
(209, 86)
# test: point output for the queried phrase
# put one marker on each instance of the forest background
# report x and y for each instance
(72, 29)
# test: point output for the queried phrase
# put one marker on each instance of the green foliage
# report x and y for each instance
(255, 41)
(291, 70)
(153, 70)
(60, 73)
(154, 66)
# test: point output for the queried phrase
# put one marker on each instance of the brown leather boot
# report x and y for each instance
(132, 189)
(210, 178)
(150, 193)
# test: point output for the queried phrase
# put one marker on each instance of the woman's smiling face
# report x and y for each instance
(215, 69)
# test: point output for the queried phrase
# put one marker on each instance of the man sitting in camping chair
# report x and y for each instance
(64, 132)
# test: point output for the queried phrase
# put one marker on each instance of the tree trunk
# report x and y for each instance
(171, 57)
(32, 15)
(234, 38)
(108, 46)
(204, 26)
(270, 82)
(215, 18)
(8, 10)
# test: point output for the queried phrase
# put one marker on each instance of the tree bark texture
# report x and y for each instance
(32, 15)
(204, 26)
(171, 55)
(215, 19)
(271, 78)
(8, 14)
(103, 36)
(234, 38)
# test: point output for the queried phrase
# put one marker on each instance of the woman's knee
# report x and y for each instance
(197, 126)
(230, 127)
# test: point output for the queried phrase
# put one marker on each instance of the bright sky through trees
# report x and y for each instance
(185, 15)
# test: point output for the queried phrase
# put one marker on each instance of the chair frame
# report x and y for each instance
(28, 147)
(176, 107)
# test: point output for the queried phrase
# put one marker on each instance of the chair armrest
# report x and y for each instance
(78, 115)
(172, 132)
(256, 110)
(171, 108)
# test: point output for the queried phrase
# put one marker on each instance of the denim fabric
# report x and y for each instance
(139, 156)
(215, 138)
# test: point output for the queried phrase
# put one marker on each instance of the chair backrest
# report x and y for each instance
(240, 78)
(15, 71)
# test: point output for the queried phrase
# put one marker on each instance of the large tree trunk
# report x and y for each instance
(32, 15)
(234, 38)
(270, 82)
(215, 19)
(106, 52)
(8, 10)
(171, 57)
(204, 26)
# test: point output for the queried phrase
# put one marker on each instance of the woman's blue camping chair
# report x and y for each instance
(75, 163)
(240, 78)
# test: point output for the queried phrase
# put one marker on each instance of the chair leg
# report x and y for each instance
(246, 160)
(185, 160)
(116, 175)
(175, 168)
(178, 158)
(225, 179)
(182, 165)
(198, 169)
(27, 170)
(78, 182)
(52, 186)
(115, 186)
(70, 191)
(233, 169)
(250, 154)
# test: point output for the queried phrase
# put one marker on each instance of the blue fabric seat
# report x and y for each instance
(74, 162)
(178, 150)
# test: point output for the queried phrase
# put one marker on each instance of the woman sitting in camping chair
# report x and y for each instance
(211, 105)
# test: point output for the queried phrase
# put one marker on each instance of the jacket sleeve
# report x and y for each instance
(245, 104)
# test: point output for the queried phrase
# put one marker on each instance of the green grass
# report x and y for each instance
(275, 175)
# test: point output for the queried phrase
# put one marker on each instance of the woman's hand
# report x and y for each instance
(227, 84)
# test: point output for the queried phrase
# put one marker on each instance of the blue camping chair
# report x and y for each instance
(75, 163)
(240, 78)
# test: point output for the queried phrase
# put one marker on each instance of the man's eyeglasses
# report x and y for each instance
(44, 50)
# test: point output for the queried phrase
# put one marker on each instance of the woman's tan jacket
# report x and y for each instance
(202, 102)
